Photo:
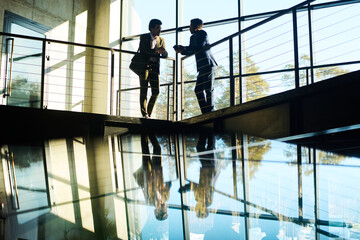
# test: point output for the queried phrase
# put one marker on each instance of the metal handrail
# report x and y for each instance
(230, 38)
(279, 14)
(72, 43)
(44, 57)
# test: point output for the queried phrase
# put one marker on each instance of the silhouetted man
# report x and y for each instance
(205, 64)
(152, 46)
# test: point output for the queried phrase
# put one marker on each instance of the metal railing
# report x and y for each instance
(52, 74)
(290, 49)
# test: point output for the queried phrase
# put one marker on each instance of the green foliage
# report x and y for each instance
(25, 155)
(255, 152)
(319, 73)
(255, 86)
(321, 157)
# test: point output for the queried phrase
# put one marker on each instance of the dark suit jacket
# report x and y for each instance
(145, 48)
(204, 59)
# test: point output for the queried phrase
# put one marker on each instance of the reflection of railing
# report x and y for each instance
(60, 75)
(241, 198)
(290, 49)
(14, 179)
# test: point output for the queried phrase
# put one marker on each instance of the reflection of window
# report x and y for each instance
(24, 76)
(29, 187)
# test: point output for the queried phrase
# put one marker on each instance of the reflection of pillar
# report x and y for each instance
(246, 179)
(179, 141)
(60, 180)
(73, 182)
(300, 192)
(121, 210)
(101, 178)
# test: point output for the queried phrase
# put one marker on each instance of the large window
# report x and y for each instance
(275, 56)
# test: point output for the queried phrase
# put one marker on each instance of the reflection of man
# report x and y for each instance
(204, 191)
(152, 45)
(205, 64)
(150, 177)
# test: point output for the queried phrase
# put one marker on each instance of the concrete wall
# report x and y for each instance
(51, 13)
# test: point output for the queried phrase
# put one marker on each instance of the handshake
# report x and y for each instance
(178, 48)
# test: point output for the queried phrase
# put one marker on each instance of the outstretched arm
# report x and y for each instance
(163, 51)
(197, 42)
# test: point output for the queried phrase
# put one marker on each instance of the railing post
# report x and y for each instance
(118, 103)
(231, 66)
(175, 110)
(296, 50)
(300, 188)
(311, 45)
(43, 57)
(178, 18)
(112, 81)
(240, 45)
(168, 103)
(182, 89)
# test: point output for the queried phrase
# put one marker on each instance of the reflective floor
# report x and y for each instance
(184, 186)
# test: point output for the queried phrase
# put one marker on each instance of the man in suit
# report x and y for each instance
(152, 46)
(205, 64)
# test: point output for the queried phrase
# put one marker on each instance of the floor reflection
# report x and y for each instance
(183, 186)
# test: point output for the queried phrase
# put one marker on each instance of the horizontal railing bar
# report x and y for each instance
(135, 88)
(73, 43)
(283, 70)
(333, 4)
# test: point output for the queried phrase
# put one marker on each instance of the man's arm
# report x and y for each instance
(197, 42)
(163, 52)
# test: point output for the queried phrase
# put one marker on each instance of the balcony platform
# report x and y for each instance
(21, 124)
(310, 114)
(327, 105)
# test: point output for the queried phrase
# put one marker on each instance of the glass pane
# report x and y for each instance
(335, 37)
(269, 47)
(337, 194)
(138, 13)
(208, 10)
(25, 79)
(258, 86)
(252, 7)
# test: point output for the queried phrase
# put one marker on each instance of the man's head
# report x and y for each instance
(161, 211)
(155, 27)
(201, 210)
(195, 24)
